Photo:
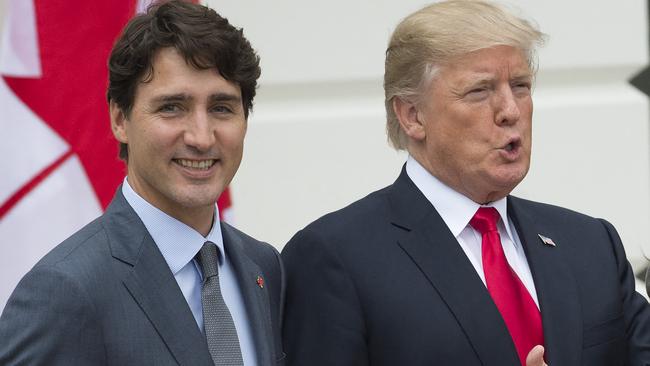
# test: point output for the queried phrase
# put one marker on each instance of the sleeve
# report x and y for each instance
(323, 320)
(636, 310)
(49, 320)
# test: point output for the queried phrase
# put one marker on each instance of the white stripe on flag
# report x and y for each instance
(58, 207)
(19, 47)
(29, 146)
(142, 5)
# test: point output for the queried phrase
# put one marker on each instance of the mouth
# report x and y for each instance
(512, 145)
(200, 165)
(511, 149)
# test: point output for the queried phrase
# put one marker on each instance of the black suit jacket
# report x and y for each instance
(105, 296)
(384, 282)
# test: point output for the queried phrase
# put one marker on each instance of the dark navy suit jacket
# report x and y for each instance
(105, 296)
(383, 282)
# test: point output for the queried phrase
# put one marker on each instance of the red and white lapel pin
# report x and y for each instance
(546, 240)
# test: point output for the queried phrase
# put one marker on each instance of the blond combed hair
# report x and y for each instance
(439, 33)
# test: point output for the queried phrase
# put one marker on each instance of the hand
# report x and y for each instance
(536, 357)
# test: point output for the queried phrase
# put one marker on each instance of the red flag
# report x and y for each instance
(60, 167)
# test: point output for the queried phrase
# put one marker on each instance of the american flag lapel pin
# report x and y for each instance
(547, 241)
(260, 281)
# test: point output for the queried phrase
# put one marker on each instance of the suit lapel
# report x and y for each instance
(423, 235)
(152, 285)
(255, 296)
(555, 285)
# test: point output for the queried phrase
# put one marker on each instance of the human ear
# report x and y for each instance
(410, 119)
(118, 120)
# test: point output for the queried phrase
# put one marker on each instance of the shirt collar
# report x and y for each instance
(455, 209)
(177, 242)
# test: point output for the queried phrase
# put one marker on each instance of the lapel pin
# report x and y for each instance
(547, 241)
(260, 281)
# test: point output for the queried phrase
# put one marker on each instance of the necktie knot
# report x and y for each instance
(208, 260)
(485, 220)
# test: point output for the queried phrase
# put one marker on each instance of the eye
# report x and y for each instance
(477, 93)
(169, 108)
(521, 88)
(221, 109)
(477, 90)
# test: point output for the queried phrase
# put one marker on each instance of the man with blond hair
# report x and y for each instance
(444, 267)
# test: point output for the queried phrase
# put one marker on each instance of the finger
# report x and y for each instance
(536, 357)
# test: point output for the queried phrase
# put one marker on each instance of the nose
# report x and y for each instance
(506, 106)
(199, 132)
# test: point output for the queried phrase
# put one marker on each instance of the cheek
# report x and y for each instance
(232, 136)
(527, 133)
(526, 117)
(162, 136)
(475, 122)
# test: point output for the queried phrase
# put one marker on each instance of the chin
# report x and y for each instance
(194, 199)
(507, 186)
(511, 175)
(507, 181)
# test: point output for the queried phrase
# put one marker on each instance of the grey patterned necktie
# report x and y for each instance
(220, 330)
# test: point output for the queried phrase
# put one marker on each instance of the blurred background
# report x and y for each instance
(316, 138)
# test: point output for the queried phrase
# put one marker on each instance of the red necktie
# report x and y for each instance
(511, 297)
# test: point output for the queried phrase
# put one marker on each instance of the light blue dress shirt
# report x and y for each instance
(178, 244)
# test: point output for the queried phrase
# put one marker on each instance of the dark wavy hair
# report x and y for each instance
(204, 38)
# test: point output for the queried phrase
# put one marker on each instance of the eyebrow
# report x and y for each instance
(225, 97)
(171, 98)
(483, 78)
(527, 76)
(182, 97)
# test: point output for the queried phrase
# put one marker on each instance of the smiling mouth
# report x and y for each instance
(196, 164)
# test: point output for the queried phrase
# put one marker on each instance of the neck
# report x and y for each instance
(199, 218)
(456, 182)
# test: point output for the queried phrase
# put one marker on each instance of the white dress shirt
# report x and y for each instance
(179, 244)
(457, 210)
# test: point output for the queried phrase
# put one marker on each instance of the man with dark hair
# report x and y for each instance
(158, 279)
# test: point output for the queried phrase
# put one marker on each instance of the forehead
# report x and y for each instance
(171, 74)
(488, 63)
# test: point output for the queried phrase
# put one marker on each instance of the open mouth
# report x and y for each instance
(196, 164)
(513, 145)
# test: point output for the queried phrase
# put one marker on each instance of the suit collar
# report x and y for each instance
(178, 242)
(454, 208)
(425, 238)
(432, 247)
(255, 296)
(151, 284)
(557, 289)
(125, 230)
(408, 205)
